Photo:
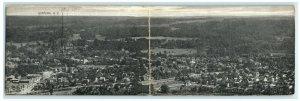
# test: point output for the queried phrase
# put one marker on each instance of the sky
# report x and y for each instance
(144, 11)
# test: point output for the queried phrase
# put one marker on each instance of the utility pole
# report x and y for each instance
(62, 29)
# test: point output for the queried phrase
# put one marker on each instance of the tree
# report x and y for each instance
(164, 88)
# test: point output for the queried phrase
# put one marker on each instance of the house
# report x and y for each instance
(16, 59)
(99, 37)
(11, 65)
(278, 54)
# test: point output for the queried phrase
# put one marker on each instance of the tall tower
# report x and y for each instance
(62, 34)
(62, 29)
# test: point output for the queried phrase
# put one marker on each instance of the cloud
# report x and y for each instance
(142, 11)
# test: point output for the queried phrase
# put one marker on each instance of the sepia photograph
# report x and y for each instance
(83, 50)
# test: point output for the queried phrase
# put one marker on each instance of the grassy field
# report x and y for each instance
(174, 51)
(173, 85)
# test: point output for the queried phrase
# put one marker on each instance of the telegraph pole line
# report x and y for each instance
(149, 52)
(62, 28)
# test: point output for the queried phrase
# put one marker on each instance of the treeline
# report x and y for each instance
(23, 70)
(34, 28)
(234, 36)
(129, 44)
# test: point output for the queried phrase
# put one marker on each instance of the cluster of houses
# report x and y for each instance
(21, 85)
(244, 73)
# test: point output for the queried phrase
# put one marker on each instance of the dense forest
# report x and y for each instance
(243, 34)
